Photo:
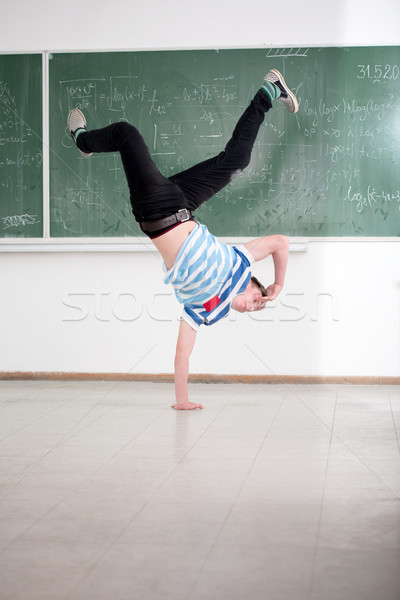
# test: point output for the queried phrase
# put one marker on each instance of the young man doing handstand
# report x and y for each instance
(209, 277)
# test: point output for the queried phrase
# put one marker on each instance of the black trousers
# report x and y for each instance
(154, 196)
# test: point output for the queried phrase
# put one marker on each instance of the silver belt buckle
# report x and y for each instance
(186, 218)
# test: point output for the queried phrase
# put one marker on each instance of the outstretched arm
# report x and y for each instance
(278, 247)
(184, 347)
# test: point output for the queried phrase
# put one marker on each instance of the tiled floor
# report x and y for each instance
(271, 492)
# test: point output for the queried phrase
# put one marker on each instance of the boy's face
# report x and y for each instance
(249, 301)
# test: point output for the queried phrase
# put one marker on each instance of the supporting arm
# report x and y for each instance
(184, 347)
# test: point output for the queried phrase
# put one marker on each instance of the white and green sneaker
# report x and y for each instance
(76, 124)
(287, 96)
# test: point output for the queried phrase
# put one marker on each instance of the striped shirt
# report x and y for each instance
(207, 275)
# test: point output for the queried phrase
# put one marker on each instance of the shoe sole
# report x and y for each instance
(294, 107)
(76, 110)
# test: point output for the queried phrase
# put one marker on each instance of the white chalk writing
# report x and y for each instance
(19, 220)
(371, 197)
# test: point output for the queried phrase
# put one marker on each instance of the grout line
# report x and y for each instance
(340, 439)
(64, 438)
(41, 416)
(25, 395)
(394, 422)
(218, 535)
(156, 491)
(77, 486)
(314, 560)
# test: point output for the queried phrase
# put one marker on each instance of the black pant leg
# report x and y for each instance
(204, 180)
(152, 195)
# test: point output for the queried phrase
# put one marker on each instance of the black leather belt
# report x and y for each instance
(179, 217)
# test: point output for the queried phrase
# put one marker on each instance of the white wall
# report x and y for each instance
(100, 24)
(110, 312)
(103, 312)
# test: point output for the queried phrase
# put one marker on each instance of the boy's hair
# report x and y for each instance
(259, 285)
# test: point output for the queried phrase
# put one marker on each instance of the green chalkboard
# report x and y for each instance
(21, 178)
(330, 170)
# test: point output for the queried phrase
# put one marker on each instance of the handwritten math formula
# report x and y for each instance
(21, 147)
(331, 169)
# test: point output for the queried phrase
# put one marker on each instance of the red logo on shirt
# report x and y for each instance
(211, 304)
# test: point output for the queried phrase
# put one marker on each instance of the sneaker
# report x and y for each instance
(287, 97)
(76, 120)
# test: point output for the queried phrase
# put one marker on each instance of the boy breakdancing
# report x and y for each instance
(209, 277)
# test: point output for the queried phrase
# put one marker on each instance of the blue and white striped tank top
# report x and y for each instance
(206, 275)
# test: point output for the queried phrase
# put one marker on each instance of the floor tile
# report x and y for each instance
(278, 492)
(347, 574)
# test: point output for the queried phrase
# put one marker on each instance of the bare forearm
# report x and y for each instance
(280, 258)
(181, 388)
(181, 378)
(184, 347)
